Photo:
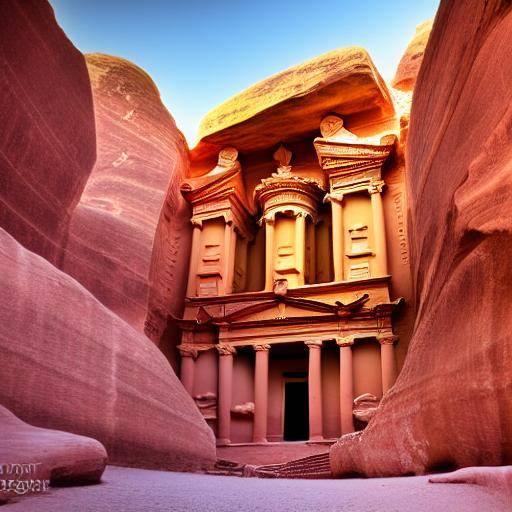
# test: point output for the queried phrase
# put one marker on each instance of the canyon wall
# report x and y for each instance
(47, 141)
(140, 154)
(69, 363)
(451, 405)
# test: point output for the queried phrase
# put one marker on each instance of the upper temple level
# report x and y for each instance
(287, 181)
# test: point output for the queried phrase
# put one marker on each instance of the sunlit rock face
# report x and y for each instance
(141, 154)
(292, 103)
(47, 140)
(410, 63)
(71, 364)
(451, 405)
(46, 456)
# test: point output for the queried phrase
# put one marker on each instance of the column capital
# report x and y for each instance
(196, 223)
(225, 350)
(261, 347)
(347, 341)
(333, 198)
(313, 344)
(376, 186)
(387, 339)
(188, 351)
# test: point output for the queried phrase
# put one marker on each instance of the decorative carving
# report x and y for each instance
(245, 409)
(313, 344)
(387, 339)
(281, 287)
(347, 341)
(225, 350)
(262, 346)
(331, 127)
(376, 186)
(188, 351)
(227, 157)
(283, 157)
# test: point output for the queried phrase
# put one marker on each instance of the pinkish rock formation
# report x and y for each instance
(451, 405)
(47, 140)
(410, 63)
(31, 453)
(141, 154)
(71, 364)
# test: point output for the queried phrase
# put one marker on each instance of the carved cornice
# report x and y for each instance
(348, 159)
(263, 347)
(225, 350)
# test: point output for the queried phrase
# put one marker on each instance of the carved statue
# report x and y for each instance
(331, 127)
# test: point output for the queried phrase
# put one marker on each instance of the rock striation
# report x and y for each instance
(31, 453)
(69, 363)
(140, 155)
(47, 141)
(451, 405)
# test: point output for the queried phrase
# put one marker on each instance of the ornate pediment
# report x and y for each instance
(220, 193)
(282, 308)
(340, 151)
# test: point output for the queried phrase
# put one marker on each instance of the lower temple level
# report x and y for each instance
(287, 368)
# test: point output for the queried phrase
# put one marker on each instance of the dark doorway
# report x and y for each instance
(296, 411)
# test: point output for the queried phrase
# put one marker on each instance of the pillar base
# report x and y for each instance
(222, 442)
(262, 440)
(316, 439)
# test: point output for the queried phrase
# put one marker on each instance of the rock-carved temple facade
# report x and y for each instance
(288, 331)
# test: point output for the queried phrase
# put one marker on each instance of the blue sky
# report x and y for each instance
(199, 53)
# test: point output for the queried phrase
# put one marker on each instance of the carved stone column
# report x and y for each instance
(315, 390)
(188, 356)
(194, 260)
(260, 394)
(300, 245)
(269, 254)
(346, 385)
(387, 360)
(312, 252)
(229, 256)
(379, 230)
(225, 393)
(338, 251)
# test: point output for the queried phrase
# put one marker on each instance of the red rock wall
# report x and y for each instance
(452, 405)
(141, 153)
(69, 363)
(47, 139)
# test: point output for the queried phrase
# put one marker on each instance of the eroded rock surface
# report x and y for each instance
(410, 63)
(141, 154)
(71, 364)
(292, 103)
(451, 405)
(31, 453)
(47, 140)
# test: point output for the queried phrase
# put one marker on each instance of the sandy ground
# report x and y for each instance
(130, 490)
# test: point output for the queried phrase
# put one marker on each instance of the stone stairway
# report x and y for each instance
(314, 466)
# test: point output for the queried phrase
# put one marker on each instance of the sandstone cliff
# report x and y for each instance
(141, 154)
(47, 140)
(451, 405)
(71, 364)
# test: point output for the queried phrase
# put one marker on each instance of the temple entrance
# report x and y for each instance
(296, 410)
